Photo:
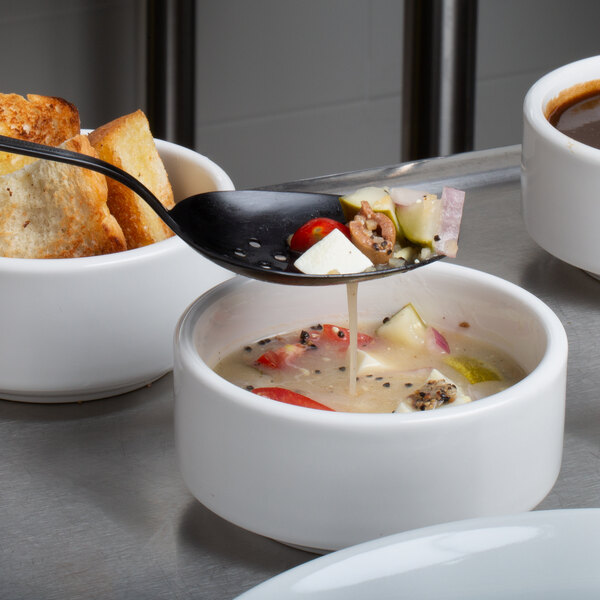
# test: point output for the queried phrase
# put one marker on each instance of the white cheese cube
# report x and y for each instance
(367, 363)
(334, 254)
(461, 397)
(435, 376)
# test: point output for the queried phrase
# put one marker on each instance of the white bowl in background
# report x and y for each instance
(84, 328)
(327, 480)
(561, 176)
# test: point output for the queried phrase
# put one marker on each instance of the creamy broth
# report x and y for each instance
(396, 373)
(352, 293)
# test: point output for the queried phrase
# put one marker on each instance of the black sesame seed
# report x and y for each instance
(341, 334)
(386, 384)
(249, 387)
(408, 385)
(378, 378)
(247, 348)
(265, 341)
(317, 327)
(342, 368)
(386, 319)
(318, 371)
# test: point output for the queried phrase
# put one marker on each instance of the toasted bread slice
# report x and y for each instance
(40, 119)
(53, 210)
(128, 144)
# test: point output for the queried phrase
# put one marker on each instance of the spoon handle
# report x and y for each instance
(27, 148)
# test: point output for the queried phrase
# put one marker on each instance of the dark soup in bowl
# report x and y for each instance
(576, 113)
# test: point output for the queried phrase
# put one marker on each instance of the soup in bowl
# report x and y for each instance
(326, 479)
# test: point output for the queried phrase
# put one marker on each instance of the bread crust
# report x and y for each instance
(128, 144)
(54, 210)
(42, 119)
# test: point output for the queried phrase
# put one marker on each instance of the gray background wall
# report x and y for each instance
(287, 89)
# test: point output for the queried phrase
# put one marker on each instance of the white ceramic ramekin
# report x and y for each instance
(326, 480)
(85, 328)
(561, 176)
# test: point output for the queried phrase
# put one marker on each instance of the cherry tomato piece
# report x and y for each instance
(280, 357)
(340, 336)
(313, 231)
(288, 397)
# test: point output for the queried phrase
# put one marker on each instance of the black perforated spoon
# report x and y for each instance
(243, 231)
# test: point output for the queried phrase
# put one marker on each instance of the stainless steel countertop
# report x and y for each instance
(92, 503)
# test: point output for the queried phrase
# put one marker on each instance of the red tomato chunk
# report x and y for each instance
(281, 357)
(288, 397)
(341, 336)
(314, 231)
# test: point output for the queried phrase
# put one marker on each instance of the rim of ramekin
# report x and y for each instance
(555, 356)
(548, 87)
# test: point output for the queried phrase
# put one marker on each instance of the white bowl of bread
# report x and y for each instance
(93, 282)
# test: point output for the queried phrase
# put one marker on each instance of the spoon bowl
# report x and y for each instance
(243, 231)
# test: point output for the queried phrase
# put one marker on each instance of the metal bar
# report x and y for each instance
(156, 67)
(439, 77)
(185, 70)
(170, 69)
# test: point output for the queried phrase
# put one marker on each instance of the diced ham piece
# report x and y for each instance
(452, 209)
